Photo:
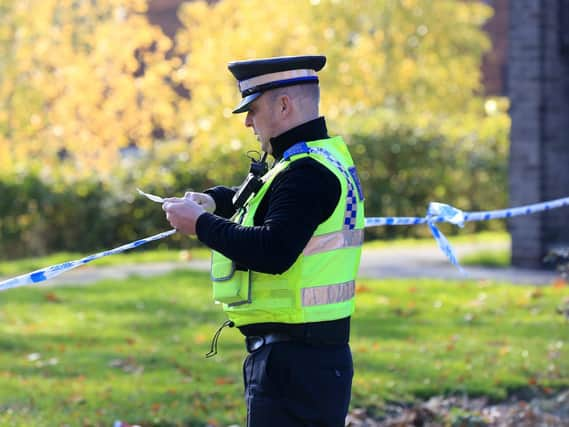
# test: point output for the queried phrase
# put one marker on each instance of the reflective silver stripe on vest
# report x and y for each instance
(329, 294)
(337, 240)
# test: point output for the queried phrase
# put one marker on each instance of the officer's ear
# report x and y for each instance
(285, 105)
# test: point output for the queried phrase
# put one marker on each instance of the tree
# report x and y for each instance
(81, 81)
(410, 62)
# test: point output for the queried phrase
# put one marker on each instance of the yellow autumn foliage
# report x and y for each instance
(412, 63)
(73, 87)
(81, 81)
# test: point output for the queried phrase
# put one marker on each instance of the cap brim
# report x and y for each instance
(246, 102)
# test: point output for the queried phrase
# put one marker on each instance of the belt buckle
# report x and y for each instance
(254, 343)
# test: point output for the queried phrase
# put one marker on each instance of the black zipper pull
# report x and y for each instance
(213, 349)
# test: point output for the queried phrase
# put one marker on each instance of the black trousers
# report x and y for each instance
(289, 384)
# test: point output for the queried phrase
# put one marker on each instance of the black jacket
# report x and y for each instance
(299, 199)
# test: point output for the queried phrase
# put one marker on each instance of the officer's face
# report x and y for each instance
(263, 117)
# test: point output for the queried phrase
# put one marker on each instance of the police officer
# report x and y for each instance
(286, 248)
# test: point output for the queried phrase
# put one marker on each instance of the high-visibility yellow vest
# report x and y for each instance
(320, 285)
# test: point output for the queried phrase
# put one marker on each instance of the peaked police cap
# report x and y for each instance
(259, 75)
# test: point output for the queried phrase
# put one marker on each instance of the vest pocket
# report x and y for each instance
(233, 292)
(229, 286)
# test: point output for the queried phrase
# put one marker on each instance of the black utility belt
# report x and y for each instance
(255, 342)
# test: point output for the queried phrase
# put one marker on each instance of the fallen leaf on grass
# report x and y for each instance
(200, 339)
(32, 357)
(405, 312)
(128, 365)
(564, 309)
(504, 350)
(124, 424)
(183, 370)
(77, 400)
(464, 411)
(478, 302)
(382, 300)
(224, 380)
(498, 343)
(185, 255)
(52, 297)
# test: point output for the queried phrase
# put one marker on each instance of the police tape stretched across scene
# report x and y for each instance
(436, 213)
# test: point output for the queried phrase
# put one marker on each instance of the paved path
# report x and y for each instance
(428, 261)
(398, 262)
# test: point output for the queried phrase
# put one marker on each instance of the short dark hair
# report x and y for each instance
(305, 91)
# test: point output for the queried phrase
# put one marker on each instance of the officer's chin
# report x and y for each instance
(266, 147)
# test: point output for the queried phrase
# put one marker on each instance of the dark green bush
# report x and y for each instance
(402, 171)
(37, 217)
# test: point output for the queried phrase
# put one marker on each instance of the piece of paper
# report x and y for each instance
(152, 197)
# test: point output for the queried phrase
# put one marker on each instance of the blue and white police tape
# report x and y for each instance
(55, 270)
(439, 212)
(436, 213)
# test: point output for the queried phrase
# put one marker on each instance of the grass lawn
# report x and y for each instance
(463, 238)
(488, 258)
(134, 350)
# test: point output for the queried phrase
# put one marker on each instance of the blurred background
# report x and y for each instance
(462, 102)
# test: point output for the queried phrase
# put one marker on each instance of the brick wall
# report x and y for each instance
(539, 155)
(556, 135)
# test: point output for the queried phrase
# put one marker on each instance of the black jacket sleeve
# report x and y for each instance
(299, 199)
(223, 197)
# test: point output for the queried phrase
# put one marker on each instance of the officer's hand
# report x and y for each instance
(202, 199)
(182, 214)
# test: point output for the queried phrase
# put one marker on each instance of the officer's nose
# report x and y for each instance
(248, 121)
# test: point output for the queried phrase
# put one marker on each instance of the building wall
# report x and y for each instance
(164, 14)
(556, 133)
(539, 155)
(494, 63)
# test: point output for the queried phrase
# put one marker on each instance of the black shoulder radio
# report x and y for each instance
(253, 182)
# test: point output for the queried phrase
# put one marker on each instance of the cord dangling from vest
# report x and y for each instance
(213, 349)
